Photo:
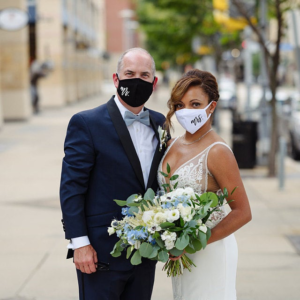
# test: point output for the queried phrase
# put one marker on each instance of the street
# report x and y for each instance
(33, 249)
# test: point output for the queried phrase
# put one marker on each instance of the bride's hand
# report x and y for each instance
(174, 258)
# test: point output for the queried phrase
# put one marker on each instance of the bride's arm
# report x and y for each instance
(224, 168)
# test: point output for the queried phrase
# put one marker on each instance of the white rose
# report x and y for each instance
(190, 192)
(203, 228)
(178, 192)
(147, 216)
(173, 215)
(199, 221)
(169, 244)
(111, 230)
(160, 218)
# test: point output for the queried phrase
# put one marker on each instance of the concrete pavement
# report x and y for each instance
(32, 252)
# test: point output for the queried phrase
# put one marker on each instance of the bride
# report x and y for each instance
(205, 162)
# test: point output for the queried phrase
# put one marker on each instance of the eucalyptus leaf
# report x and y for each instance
(149, 195)
(197, 244)
(129, 251)
(146, 250)
(202, 237)
(175, 229)
(182, 242)
(208, 233)
(192, 224)
(136, 258)
(131, 198)
(121, 202)
(189, 249)
(134, 204)
(133, 209)
(160, 242)
(176, 252)
(163, 256)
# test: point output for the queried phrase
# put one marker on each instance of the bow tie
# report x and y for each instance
(142, 117)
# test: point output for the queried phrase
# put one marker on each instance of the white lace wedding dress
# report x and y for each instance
(214, 276)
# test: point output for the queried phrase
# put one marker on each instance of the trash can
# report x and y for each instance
(244, 138)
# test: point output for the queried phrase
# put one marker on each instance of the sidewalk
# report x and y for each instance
(33, 249)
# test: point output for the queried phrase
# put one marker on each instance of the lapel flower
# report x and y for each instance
(162, 137)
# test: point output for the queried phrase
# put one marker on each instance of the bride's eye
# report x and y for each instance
(178, 106)
(196, 104)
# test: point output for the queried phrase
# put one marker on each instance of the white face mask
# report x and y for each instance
(192, 119)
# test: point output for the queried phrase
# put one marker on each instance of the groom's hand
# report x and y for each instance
(85, 259)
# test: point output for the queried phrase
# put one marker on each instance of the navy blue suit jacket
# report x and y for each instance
(101, 165)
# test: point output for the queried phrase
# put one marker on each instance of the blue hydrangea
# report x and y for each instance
(119, 233)
(151, 240)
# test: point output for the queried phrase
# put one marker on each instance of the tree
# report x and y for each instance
(276, 10)
(171, 25)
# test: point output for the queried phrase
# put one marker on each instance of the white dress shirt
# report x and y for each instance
(145, 143)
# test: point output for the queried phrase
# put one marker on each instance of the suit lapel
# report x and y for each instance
(157, 155)
(125, 139)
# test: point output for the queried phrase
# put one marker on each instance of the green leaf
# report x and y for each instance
(182, 242)
(146, 250)
(134, 204)
(175, 229)
(174, 177)
(165, 185)
(116, 252)
(189, 249)
(121, 202)
(160, 242)
(136, 258)
(129, 251)
(192, 223)
(163, 256)
(210, 196)
(149, 195)
(167, 225)
(225, 192)
(154, 253)
(168, 168)
(131, 198)
(163, 174)
(176, 252)
(197, 244)
(233, 190)
(181, 222)
(208, 233)
(175, 186)
(133, 209)
(202, 237)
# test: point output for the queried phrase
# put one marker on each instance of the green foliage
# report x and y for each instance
(136, 258)
(163, 256)
(171, 25)
(121, 202)
(149, 195)
(146, 250)
(182, 242)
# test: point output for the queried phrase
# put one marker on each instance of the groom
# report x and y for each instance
(111, 152)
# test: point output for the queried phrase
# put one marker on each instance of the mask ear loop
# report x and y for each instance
(207, 107)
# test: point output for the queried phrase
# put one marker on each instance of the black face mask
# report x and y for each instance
(135, 92)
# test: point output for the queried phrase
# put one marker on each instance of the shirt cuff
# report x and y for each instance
(79, 242)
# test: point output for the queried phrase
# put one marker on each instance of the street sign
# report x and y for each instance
(13, 19)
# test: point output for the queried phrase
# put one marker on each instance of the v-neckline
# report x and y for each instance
(167, 151)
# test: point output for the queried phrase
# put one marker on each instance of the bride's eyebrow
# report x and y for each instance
(195, 100)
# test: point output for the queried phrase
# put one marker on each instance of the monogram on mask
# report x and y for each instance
(192, 119)
(135, 92)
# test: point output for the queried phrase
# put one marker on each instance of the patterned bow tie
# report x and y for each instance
(142, 117)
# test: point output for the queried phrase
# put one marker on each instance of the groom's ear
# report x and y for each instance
(116, 80)
(155, 82)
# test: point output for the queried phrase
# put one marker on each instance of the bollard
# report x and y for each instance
(282, 154)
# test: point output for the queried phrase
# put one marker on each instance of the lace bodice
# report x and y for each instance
(194, 173)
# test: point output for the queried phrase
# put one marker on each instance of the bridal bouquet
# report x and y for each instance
(168, 225)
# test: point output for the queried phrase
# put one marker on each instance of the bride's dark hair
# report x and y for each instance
(195, 77)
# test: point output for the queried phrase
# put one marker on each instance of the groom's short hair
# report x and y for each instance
(120, 61)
